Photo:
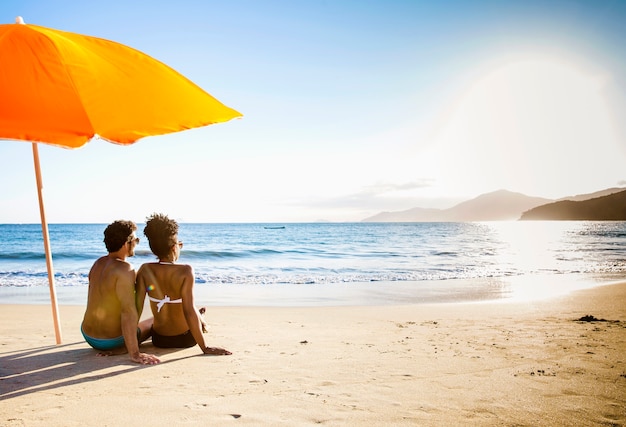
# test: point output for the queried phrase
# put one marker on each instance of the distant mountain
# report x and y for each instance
(605, 208)
(581, 197)
(501, 205)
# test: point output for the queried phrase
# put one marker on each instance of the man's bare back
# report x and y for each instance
(108, 279)
(110, 323)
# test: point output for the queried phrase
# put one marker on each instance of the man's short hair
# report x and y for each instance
(117, 233)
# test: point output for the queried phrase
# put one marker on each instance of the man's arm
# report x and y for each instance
(125, 289)
(140, 291)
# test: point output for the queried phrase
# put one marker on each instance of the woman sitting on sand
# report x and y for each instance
(169, 286)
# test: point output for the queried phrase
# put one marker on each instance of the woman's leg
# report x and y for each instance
(145, 328)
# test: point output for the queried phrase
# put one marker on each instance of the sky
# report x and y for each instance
(349, 108)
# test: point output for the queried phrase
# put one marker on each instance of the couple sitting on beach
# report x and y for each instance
(116, 295)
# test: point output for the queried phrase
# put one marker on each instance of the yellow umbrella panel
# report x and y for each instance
(62, 88)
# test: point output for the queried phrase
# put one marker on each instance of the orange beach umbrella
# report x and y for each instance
(64, 89)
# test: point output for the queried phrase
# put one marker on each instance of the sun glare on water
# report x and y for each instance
(540, 248)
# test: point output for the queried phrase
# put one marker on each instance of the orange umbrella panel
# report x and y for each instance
(64, 88)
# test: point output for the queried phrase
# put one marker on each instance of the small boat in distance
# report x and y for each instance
(274, 227)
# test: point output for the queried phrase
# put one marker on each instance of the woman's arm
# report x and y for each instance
(189, 308)
(193, 317)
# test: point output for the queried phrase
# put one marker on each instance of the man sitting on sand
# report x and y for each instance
(111, 320)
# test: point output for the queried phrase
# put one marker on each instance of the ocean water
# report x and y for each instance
(336, 263)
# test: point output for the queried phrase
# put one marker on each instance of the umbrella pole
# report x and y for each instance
(46, 244)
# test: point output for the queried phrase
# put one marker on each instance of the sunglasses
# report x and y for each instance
(136, 240)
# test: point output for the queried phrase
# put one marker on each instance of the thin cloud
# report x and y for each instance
(380, 196)
(379, 189)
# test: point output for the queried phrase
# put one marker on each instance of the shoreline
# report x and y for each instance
(481, 363)
(528, 287)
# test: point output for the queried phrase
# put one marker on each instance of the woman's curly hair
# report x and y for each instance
(160, 231)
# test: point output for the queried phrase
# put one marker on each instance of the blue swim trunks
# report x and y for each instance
(105, 344)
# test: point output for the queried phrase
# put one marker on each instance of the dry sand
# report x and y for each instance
(511, 364)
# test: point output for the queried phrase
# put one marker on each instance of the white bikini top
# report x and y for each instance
(165, 300)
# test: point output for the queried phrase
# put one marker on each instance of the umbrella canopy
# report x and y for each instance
(64, 89)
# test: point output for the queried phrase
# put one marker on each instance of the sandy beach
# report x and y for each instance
(485, 364)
